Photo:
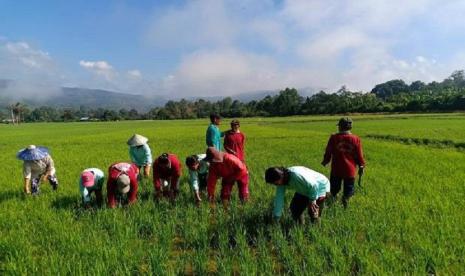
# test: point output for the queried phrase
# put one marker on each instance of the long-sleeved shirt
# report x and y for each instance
(345, 152)
(194, 175)
(230, 168)
(99, 179)
(304, 181)
(141, 156)
(213, 136)
(36, 168)
(114, 172)
(173, 172)
(234, 144)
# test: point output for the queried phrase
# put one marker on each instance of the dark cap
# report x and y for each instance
(345, 123)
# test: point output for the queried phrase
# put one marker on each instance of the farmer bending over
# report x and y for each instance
(230, 169)
(38, 166)
(344, 150)
(91, 181)
(166, 173)
(310, 191)
(140, 153)
(122, 180)
(198, 172)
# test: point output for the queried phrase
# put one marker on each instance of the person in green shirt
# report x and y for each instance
(213, 136)
(198, 173)
(311, 189)
(91, 181)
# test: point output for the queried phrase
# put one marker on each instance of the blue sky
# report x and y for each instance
(225, 47)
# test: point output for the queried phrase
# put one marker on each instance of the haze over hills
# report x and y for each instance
(74, 97)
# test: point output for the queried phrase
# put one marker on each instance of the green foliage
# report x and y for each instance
(406, 220)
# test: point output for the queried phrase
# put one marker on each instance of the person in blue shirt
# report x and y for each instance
(311, 189)
(213, 136)
(140, 153)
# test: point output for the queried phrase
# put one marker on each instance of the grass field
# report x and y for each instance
(407, 219)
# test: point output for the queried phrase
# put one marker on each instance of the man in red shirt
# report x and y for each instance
(166, 173)
(122, 179)
(344, 150)
(234, 141)
(230, 169)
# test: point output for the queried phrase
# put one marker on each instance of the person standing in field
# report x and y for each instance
(198, 173)
(122, 180)
(230, 169)
(38, 166)
(166, 173)
(344, 150)
(140, 153)
(234, 141)
(91, 181)
(213, 136)
(311, 189)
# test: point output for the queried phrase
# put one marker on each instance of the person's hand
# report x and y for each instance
(361, 170)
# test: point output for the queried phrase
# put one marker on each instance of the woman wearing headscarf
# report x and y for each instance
(38, 166)
(91, 181)
(140, 153)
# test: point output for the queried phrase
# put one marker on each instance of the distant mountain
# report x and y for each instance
(74, 97)
(95, 98)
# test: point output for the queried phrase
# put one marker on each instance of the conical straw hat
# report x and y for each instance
(137, 140)
(32, 153)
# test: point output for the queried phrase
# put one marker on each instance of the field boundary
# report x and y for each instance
(436, 143)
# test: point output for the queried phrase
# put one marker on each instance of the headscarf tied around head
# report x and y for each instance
(32, 152)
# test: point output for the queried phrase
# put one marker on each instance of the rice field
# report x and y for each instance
(406, 219)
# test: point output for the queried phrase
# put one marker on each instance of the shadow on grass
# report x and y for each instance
(9, 195)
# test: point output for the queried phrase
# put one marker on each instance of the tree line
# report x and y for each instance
(390, 96)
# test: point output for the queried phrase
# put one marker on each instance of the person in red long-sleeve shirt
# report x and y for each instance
(166, 173)
(230, 169)
(234, 141)
(344, 150)
(122, 179)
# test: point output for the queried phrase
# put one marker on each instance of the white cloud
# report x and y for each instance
(100, 68)
(135, 74)
(28, 56)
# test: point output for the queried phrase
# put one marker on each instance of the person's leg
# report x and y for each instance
(226, 188)
(99, 197)
(348, 192)
(243, 187)
(52, 179)
(335, 185)
(35, 186)
(147, 170)
(202, 181)
(298, 205)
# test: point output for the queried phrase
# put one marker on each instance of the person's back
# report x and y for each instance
(345, 152)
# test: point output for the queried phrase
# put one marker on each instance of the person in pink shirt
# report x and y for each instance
(234, 141)
(166, 173)
(122, 180)
(231, 170)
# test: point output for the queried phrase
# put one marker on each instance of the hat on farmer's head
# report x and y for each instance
(345, 123)
(137, 140)
(122, 183)
(32, 153)
(87, 179)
